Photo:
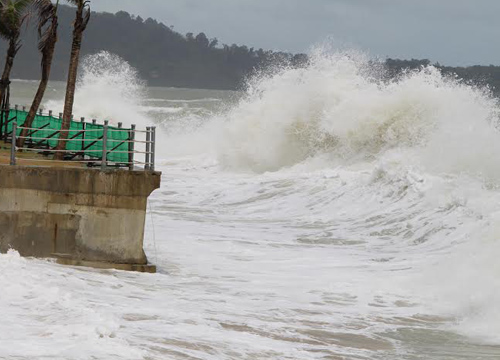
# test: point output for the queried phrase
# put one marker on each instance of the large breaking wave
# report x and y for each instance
(421, 153)
(342, 107)
(331, 212)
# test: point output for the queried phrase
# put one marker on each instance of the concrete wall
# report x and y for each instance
(88, 214)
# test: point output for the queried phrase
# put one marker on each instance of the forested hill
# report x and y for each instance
(479, 75)
(165, 57)
(161, 55)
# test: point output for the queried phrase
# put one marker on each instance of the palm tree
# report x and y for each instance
(47, 12)
(79, 26)
(13, 13)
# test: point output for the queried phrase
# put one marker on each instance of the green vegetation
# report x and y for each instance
(162, 56)
(479, 75)
(165, 57)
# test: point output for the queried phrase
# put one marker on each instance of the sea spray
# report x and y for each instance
(342, 105)
(431, 145)
(108, 88)
(356, 218)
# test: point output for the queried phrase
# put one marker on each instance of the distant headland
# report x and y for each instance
(165, 57)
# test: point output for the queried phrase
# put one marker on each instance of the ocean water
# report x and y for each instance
(321, 213)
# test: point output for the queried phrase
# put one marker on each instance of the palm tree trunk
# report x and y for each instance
(5, 79)
(47, 57)
(79, 27)
(9, 63)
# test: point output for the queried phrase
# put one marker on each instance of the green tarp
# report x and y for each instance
(89, 142)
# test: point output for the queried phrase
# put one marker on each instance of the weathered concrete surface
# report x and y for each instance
(89, 214)
(144, 268)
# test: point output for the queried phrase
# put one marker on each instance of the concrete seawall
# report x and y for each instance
(86, 214)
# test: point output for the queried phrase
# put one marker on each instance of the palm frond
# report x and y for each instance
(21, 5)
(4, 28)
(13, 14)
(4, 33)
(48, 35)
(46, 10)
(86, 17)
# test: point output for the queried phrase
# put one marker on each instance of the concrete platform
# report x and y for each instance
(94, 216)
(64, 259)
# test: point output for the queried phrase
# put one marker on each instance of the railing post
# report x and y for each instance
(148, 147)
(131, 147)
(1, 121)
(153, 141)
(5, 113)
(82, 120)
(13, 144)
(104, 146)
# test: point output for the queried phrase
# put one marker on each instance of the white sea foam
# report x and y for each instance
(184, 101)
(108, 88)
(164, 110)
(329, 214)
(424, 134)
(333, 107)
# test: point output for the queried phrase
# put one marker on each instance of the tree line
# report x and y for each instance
(163, 56)
(477, 74)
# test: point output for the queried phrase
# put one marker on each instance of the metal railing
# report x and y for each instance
(104, 147)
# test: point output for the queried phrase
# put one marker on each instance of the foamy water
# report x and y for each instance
(328, 214)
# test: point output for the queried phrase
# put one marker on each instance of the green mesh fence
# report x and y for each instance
(88, 143)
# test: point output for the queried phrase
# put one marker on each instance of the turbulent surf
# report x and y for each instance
(326, 212)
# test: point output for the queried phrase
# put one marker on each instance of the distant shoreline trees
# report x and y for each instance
(164, 57)
(479, 74)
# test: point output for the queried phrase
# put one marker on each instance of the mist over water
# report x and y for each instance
(108, 88)
(324, 213)
(341, 106)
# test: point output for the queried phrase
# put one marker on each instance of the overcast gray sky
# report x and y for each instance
(454, 32)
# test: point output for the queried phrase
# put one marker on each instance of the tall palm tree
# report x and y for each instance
(13, 13)
(79, 26)
(47, 14)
